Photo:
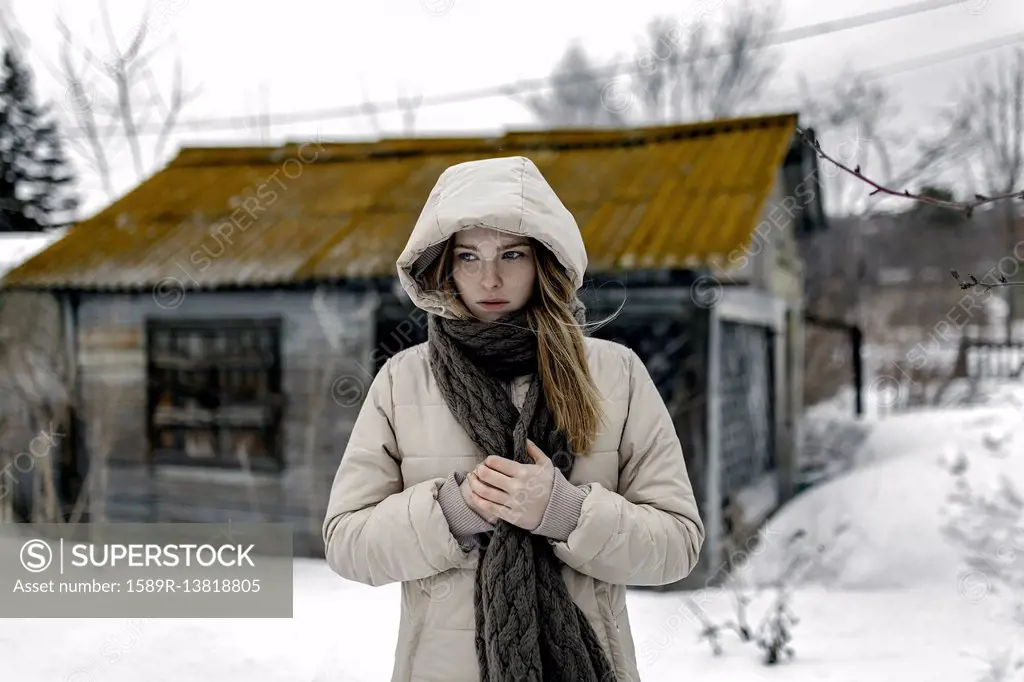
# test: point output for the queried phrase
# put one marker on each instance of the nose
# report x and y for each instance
(490, 278)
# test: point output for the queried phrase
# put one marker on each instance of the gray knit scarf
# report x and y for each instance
(528, 629)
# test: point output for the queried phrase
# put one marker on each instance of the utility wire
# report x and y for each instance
(920, 62)
(529, 85)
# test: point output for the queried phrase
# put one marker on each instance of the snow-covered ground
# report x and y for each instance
(895, 603)
(343, 632)
(18, 247)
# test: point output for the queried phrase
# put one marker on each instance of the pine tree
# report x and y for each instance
(36, 177)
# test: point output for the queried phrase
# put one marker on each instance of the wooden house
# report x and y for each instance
(33, 391)
(226, 315)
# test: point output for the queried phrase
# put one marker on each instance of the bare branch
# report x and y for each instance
(987, 125)
(972, 282)
(577, 97)
(118, 72)
(967, 207)
(83, 110)
(745, 68)
(684, 72)
(115, 114)
(132, 54)
(154, 89)
(178, 99)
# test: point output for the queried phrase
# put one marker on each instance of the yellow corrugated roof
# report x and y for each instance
(664, 196)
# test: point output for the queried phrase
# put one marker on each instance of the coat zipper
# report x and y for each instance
(603, 593)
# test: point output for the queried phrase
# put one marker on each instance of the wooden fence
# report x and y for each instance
(983, 359)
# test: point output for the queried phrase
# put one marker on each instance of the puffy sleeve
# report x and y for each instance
(648, 531)
(377, 531)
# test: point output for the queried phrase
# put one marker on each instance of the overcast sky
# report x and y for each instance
(303, 55)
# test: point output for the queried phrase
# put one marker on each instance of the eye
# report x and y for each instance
(465, 256)
(513, 255)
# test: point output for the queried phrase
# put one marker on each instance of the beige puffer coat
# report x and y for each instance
(638, 522)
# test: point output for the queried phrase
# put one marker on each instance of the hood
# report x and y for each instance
(507, 194)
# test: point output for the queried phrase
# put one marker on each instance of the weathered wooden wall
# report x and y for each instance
(33, 401)
(668, 330)
(326, 362)
(331, 346)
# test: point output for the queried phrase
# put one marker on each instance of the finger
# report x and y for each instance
(495, 479)
(485, 491)
(483, 507)
(505, 466)
(486, 508)
(535, 452)
(512, 515)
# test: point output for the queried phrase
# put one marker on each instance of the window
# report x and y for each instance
(214, 395)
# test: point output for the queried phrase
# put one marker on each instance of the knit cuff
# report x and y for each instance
(462, 520)
(564, 509)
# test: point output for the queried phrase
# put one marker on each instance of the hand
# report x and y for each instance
(517, 493)
(473, 501)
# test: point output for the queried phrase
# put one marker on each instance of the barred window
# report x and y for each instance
(214, 393)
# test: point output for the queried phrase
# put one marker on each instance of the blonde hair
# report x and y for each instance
(569, 388)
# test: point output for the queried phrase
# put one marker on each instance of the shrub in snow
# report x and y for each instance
(710, 630)
(803, 556)
(988, 526)
(985, 520)
(1003, 666)
(775, 633)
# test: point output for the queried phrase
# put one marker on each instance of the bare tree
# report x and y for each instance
(682, 70)
(9, 30)
(114, 96)
(967, 207)
(855, 114)
(993, 109)
(697, 74)
(855, 119)
(961, 123)
(578, 95)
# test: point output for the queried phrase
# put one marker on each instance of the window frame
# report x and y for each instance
(268, 426)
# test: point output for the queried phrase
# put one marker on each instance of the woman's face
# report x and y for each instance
(494, 271)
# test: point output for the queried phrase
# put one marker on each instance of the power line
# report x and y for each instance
(529, 85)
(846, 23)
(923, 61)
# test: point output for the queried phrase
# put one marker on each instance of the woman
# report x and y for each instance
(514, 475)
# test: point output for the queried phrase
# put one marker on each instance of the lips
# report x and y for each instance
(493, 304)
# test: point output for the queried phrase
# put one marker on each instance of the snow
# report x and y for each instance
(843, 636)
(18, 247)
(344, 632)
(757, 500)
(895, 495)
(891, 604)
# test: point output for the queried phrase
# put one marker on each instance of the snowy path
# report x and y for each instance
(343, 632)
(894, 610)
